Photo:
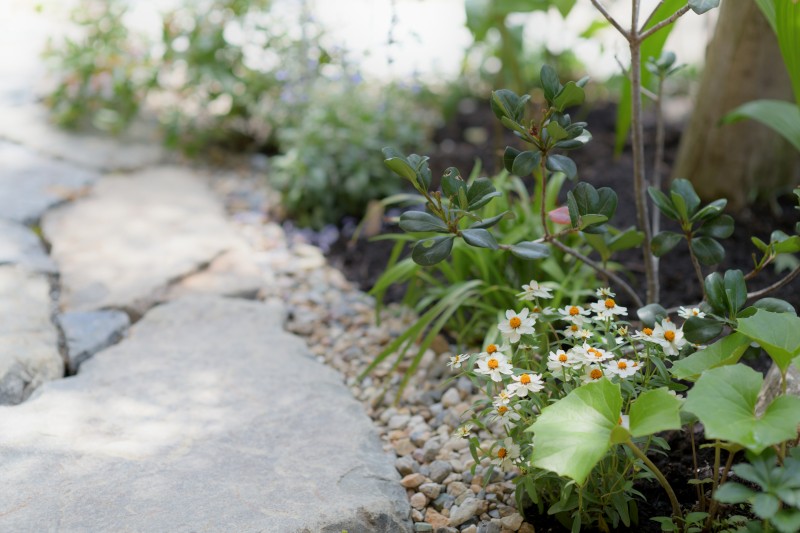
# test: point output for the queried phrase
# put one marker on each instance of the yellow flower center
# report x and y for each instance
(622, 365)
(502, 410)
(595, 352)
(574, 311)
(492, 348)
(524, 379)
(562, 357)
(669, 335)
(573, 327)
(647, 331)
(501, 453)
(596, 373)
(515, 322)
(537, 309)
(695, 312)
(610, 303)
(493, 363)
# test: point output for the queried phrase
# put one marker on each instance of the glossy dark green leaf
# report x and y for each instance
(715, 293)
(719, 228)
(775, 305)
(556, 132)
(708, 251)
(452, 182)
(685, 189)
(701, 330)
(664, 242)
(398, 164)
(480, 192)
(550, 82)
(710, 211)
(504, 103)
(508, 157)
(431, 251)
(735, 289)
(525, 163)
(570, 95)
(606, 202)
(489, 222)
(586, 198)
(663, 203)
(420, 164)
(530, 250)
(421, 221)
(480, 238)
(562, 163)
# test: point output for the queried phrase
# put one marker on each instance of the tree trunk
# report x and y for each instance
(738, 161)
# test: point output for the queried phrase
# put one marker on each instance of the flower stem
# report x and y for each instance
(676, 507)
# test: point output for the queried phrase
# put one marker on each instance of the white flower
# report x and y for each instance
(506, 454)
(504, 414)
(534, 290)
(592, 373)
(525, 383)
(605, 292)
(516, 325)
(492, 349)
(645, 335)
(463, 431)
(622, 367)
(687, 313)
(574, 313)
(571, 331)
(457, 360)
(669, 337)
(607, 309)
(537, 311)
(583, 334)
(559, 360)
(494, 366)
(592, 355)
(502, 398)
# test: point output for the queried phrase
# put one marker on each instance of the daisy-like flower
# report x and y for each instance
(525, 383)
(495, 366)
(645, 335)
(574, 314)
(457, 360)
(504, 414)
(502, 398)
(463, 431)
(537, 311)
(516, 325)
(669, 337)
(493, 349)
(560, 359)
(571, 331)
(605, 292)
(506, 454)
(592, 355)
(583, 334)
(592, 373)
(622, 367)
(607, 309)
(689, 312)
(533, 290)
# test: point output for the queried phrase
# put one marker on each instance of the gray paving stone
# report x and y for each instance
(88, 332)
(207, 417)
(31, 183)
(134, 236)
(28, 339)
(19, 245)
(29, 125)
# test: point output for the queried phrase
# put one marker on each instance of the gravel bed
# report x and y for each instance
(339, 324)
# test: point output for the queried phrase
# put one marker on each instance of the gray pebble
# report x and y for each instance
(406, 465)
(440, 470)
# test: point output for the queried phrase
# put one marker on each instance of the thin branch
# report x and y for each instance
(666, 22)
(651, 95)
(611, 19)
(610, 275)
(652, 14)
(775, 286)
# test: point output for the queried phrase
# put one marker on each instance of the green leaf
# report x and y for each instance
(562, 163)
(398, 164)
(591, 220)
(732, 492)
(735, 290)
(569, 96)
(489, 222)
(777, 333)
(556, 132)
(452, 183)
(504, 103)
(653, 411)
(701, 330)
(726, 351)
(420, 165)
(782, 117)
(651, 313)
(768, 8)
(480, 238)
(724, 399)
(701, 6)
(525, 163)
(715, 293)
(720, 227)
(573, 434)
(765, 505)
(480, 193)
(790, 245)
(708, 251)
(664, 242)
(606, 202)
(787, 26)
(550, 82)
(630, 238)
(680, 206)
(686, 191)
(775, 305)
(509, 156)
(710, 211)
(431, 251)
(530, 250)
(663, 203)
(421, 221)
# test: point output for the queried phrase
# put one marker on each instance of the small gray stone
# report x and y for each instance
(464, 385)
(422, 527)
(461, 513)
(451, 397)
(440, 470)
(406, 465)
(420, 437)
(430, 450)
(456, 489)
(512, 521)
(88, 332)
(444, 501)
(490, 527)
(431, 490)
(418, 500)
(399, 421)
(425, 470)
(19, 245)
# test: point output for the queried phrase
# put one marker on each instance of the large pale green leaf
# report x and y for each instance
(724, 399)
(787, 25)
(653, 411)
(573, 434)
(783, 117)
(777, 333)
(726, 351)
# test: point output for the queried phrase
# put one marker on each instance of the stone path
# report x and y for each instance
(204, 415)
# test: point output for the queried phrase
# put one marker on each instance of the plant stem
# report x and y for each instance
(610, 275)
(676, 508)
(543, 170)
(658, 163)
(609, 18)
(775, 286)
(696, 264)
(701, 497)
(666, 22)
(712, 509)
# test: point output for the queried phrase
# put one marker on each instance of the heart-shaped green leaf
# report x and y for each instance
(653, 411)
(777, 333)
(725, 351)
